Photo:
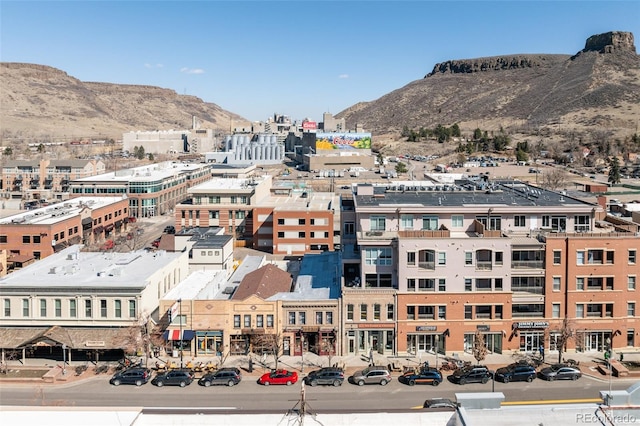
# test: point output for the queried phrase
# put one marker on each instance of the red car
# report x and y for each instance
(278, 377)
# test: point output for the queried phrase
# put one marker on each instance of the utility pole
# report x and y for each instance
(181, 337)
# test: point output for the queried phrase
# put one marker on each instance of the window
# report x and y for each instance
(302, 318)
(236, 321)
(557, 257)
(631, 309)
(483, 284)
(214, 214)
(498, 284)
(494, 223)
(7, 307)
(483, 311)
(301, 221)
(269, 321)
(376, 312)
(430, 223)
(581, 223)
(36, 239)
(319, 318)
(442, 284)
(240, 214)
(363, 312)
(498, 256)
(73, 308)
(595, 257)
(631, 282)
(609, 283)
(132, 309)
(580, 257)
(442, 258)
(411, 284)
(301, 234)
(579, 310)
(390, 311)
(26, 239)
(378, 256)
(468, 258)
(427, 284)
(234, 199)
(468, 312)
(349, 312)
(468, 284)
(378, 223)
(43, 308)
(609, 256)
(103, 308)
(457, 221)
(519, 221)
(411, 258)
(442, 312)
(88, 308)
(556, 283)
(580, 283)
(280, 234)
(498, 311)
(25, 308)
(349, 228)
(630, 337)
(555, 310)
(118, 308)
(411, 312)
(280, 221)
(406, 221)
(259, 321)
(246, 320)
(329, 317)
(632, 256)
(426, 312)
(3, 239)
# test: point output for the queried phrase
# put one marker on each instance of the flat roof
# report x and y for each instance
(147, 173)
(319, 278)
(299, 201)
(467, 192)
(235, 184)
(199, 285)
(60, 211)
(71, 268)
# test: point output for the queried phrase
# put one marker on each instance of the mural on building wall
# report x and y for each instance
(343, 141)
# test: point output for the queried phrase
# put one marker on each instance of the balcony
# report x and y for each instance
(444, 233)
(483, 265)
(527, 264)
(376, 235)
(427, 265)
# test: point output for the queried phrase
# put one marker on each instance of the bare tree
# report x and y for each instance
(133, 240)
(268, 344)
(554, 179)
(479, 347)
(565, 334)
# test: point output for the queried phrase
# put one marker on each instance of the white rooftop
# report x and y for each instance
(60, 211)
(200, 285)
(147, 173)
(71, 268)
(235, 184)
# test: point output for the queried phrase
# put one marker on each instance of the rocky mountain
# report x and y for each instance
(38, 101)
(597, 89)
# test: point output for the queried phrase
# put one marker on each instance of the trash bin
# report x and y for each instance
(175, 353)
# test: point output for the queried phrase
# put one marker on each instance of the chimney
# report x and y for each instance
(602, 201)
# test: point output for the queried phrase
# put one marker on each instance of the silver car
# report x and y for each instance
(378, 375)
(560, 372)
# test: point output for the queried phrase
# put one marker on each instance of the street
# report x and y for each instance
(248, 396)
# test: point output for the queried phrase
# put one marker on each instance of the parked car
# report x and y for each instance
(426, 376)
(472, 374)
(325, 376)
(131, 376)
(170, 229)
(156, 243)
(560, 372)
(180, 378)
(229, 376)
(371, 375)
(278, 377)
(517, 372)
(439, 403)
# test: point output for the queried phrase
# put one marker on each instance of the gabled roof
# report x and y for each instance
(264, 283)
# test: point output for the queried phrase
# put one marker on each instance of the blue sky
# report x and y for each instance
(297, 58)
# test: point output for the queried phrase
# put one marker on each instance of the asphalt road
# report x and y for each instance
(248, 396)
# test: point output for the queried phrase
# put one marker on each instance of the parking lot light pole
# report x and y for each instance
(437, 348)
(181, 337)
(64, 359)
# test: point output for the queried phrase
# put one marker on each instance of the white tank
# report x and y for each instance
(274, 139)
(261, 139)
(234, 141)
(227, 143)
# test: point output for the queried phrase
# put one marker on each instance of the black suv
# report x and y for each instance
(425, 376)
(516, 373)
(180, 378)
(325, 376)
(132, 376)
(170, 229)
(472, 374)
(225, 376)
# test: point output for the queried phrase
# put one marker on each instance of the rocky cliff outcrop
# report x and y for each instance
(614, 41)
(467, 66)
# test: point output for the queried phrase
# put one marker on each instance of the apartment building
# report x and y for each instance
(296, 221)
(36, 234)
(152, 190)
(227, 203)
(45, 179)
(459, 258)
(88, 301)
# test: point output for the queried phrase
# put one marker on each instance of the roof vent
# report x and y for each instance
(228, 290)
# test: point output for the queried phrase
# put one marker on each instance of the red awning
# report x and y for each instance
(175, 335)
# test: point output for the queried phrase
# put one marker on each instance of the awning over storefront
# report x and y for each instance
(175, 335)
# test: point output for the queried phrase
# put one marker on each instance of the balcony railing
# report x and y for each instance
(427, 265)
(527, 264)
(483, 265)
(528, 289)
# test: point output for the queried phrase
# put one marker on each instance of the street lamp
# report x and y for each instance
(608, 341)
(181, 337)
(64, 359)
(437, 348)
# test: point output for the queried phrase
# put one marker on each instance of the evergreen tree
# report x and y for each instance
(614, 170)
